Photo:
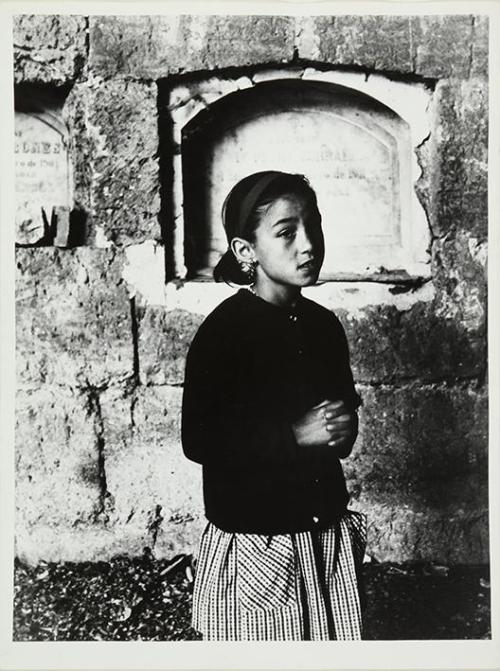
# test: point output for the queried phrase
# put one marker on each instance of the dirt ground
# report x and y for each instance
(148, 599)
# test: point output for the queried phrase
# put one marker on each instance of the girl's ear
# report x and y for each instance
(243, 250)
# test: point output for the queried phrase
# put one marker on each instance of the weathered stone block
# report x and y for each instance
(181, 43)
(441, 45)
(247, 40)
(460, 157)
(117, 127)
(164, 339)
(103, 473)
(118, 47)
(372, 42)
(480, 44)
(73, 318)
(427, 342)
(114, 147)
(48, 48)
(154, 491)
(461, 280)
(473, 135)
(419, 472)
(403, 533)
(57, 471)
(422, 446)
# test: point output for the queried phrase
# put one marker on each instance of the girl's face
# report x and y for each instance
(288, 246)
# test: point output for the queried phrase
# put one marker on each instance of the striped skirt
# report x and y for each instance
(285, 587)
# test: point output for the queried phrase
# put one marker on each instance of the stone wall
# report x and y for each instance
(102, 340)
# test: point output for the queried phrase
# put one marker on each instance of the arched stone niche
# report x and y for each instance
(43, 181)
(355, 143)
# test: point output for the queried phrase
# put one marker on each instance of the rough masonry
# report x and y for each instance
(102, 340)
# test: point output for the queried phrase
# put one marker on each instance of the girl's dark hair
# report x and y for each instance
(228, 269)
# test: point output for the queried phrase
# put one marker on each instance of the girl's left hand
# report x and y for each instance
(342, 426)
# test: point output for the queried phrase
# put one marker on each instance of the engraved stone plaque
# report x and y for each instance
(42, 173)
(355, 152)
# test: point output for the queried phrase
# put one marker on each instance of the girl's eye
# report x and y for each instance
(286, 233)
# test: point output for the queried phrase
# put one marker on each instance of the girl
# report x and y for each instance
(269, 409)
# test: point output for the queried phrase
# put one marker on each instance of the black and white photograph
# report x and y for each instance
(250, 384)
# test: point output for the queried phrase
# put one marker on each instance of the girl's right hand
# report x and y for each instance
(310, 430)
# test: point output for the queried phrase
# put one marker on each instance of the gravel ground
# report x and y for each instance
(148, 599)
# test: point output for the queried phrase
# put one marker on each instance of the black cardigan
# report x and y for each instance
(252, 369)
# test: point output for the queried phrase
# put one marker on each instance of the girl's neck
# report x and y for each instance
(283, 296)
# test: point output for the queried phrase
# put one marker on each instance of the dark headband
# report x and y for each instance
(235, 225)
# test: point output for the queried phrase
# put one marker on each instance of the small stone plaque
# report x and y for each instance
(353, 164)
(355, 151)
(42, 173)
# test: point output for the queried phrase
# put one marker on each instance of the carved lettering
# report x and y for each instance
(42, 177)
(354, 168)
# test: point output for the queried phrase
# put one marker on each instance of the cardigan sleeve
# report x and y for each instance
(348, 391)
(216, 427)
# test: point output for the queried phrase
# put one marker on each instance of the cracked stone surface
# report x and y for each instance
(460, 153)
(412, 440)
(49, 48)
(164, 340)
(154, 492)
(118, 130)
(419, 343)
(419, 436)
(442, 45)
(372, 42)
(185, 43)
(412, 532)
(480, 47)
(73, 318)
(461, 278)
(56, 455)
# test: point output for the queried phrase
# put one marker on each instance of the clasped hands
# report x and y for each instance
(328, 423)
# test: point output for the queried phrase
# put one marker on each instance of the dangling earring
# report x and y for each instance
(248, 268)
